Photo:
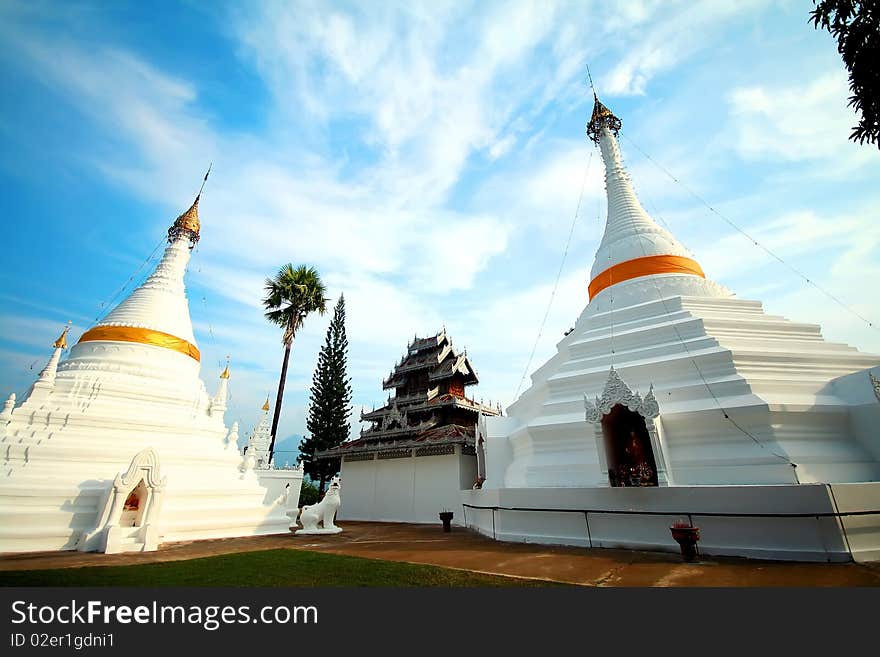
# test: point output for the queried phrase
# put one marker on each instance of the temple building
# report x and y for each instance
(120, 447)
(420, 449)
(672, 398)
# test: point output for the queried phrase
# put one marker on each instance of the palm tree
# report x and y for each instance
(290, 296)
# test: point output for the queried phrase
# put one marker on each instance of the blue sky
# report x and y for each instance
(427, 158)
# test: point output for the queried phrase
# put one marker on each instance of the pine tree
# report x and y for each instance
(329, 402)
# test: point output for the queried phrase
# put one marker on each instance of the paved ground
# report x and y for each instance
(427, 544)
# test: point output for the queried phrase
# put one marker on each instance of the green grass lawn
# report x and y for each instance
(265, 568)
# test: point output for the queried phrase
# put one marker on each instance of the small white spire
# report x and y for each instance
(6, 414)
(46, 380)
(232, 438)
(247, 462)
(258, 441)
(218, 404)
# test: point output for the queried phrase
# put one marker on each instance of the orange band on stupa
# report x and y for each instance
(142, 336)
(659, 264)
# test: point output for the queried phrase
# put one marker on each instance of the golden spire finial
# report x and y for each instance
(188, 224)
(61, 342)
(602, 116)
(265, 406)
(225, 373)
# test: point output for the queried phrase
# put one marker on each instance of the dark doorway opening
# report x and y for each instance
(628, 448)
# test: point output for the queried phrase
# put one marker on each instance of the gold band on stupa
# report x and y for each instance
(658, 264)
(142, 336)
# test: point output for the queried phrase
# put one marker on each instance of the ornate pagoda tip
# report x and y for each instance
(265, 406)
(602, 117)
(61, 342)
(225, 373)
(188, 224)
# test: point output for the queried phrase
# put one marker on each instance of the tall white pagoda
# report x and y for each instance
(673, 395)
(119, 446)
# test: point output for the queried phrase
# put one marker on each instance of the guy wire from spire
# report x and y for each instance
(675, 328)
(106, 305)
(753, 240)
(207, 173)
(723, 410)
(611, 300)
(558, 276)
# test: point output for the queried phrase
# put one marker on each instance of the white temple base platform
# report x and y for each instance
(316, 532)
(807, 522)
(412, 488)
(281, 482)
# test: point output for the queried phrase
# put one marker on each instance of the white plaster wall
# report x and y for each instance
(467, 468)
(358, 490)
(499, 453)
(394, 490)
(437, 484)
(275, 482)
(861, 532)
(728, 518)
(413, 489)
(864, 412)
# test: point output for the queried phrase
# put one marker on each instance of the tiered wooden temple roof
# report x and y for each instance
(429, 405)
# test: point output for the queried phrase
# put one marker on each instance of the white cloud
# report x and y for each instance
(502, 146)
(789, 236)
(35, 332)
(377, 116)
(797, 122)
(659, 35)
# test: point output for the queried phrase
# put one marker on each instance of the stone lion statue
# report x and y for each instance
(323, 512)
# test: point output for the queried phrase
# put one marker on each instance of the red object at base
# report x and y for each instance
(687, 538)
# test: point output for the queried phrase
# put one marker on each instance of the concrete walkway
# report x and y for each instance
(462, 549)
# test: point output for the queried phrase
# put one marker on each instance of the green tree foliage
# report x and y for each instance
(329, 402)
(291, 296)
(856, 26)
(308, 494)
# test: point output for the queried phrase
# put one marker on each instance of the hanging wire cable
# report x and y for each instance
(752, 239)
(108, 304)
(558, 276)
(693, 360)
(611, 299)
(655, 212)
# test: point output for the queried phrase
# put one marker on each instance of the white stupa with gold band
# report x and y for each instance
(119, 447)
(671, 394)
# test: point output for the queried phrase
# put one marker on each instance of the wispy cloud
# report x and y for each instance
(796, 122)
(428, 159)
